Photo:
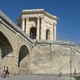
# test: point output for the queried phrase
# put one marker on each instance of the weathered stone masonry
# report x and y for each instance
(54, 55)
(24, 55)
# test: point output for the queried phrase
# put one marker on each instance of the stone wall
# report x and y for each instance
(32, 56)
(47, 57)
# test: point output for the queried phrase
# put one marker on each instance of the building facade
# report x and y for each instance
(38, 24)
(32, 48)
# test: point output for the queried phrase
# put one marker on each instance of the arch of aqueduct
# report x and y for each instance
(31, 46)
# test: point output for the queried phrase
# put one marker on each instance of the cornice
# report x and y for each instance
(39, 11)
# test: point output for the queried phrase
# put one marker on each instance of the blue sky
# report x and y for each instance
(68, 12)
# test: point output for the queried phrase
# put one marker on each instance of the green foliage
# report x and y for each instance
(77, 77)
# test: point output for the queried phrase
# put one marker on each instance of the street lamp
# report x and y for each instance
(70, 61)
(70, 68)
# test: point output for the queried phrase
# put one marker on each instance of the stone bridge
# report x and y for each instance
(24, 55)
(14, 44)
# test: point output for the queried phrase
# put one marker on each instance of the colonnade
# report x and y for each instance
(25, 22)
(40, 28)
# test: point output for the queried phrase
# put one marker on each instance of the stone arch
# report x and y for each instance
(33, 32)
(47, 34)
(22, 54)
(5, 46)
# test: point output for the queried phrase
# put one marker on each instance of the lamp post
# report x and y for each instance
(70, 61)
(50, 58)
(70, 68)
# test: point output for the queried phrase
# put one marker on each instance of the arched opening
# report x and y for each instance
(47, 34)
(23, 55)
(33, 33)
(5, 46)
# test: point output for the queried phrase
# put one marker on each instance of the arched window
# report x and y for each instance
(33, 33)
(47, 34)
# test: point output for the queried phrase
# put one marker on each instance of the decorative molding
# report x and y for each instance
(40, 11)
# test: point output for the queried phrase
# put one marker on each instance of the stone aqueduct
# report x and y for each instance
(24, 55)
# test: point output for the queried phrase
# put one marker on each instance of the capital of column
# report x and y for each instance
(23, 18)
(54, 24)
(42, 17)
(42, 20)
(27, 18)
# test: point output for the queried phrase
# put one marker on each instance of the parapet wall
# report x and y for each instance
(48, 56)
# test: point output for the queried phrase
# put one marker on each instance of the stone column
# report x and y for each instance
(23, 24)
(38, 23)
(43, 32)
(54, 31)
(51, 33)
(27, 27)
